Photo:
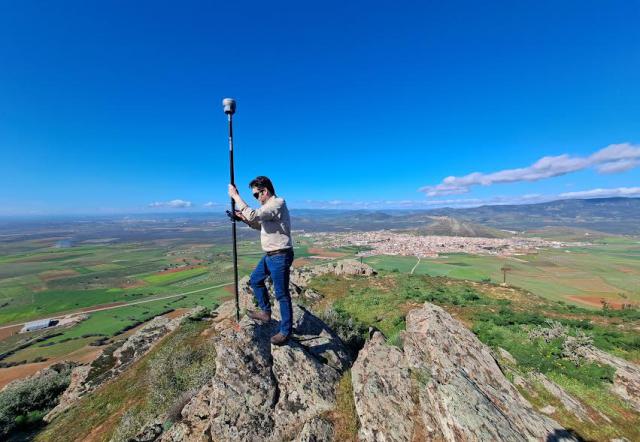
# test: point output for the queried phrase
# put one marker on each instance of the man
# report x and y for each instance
(272, 219)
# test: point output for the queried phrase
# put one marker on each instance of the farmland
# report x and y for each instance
(119, 273)
(608, 269)
(162, 267)
(57, 270)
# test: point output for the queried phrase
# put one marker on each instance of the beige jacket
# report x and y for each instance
(272, 219)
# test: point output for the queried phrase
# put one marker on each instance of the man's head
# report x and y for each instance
(262, 188)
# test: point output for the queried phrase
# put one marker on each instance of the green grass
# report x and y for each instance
(108, 323)
(169, 278)
(53, 351)
(54, 301)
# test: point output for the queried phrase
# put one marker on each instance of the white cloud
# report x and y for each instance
(618, 166)
(212, 204)
(614, 158)
(603, 193)
(173, 204)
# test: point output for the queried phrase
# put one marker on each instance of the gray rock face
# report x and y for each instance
(310, 332)
(504, 354)
(346, 267)
(262, 392)
(316, 430)
(458, 392)
(73, 392)
(384, 392)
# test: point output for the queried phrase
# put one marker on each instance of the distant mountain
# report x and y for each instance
(611, 215)
(448, 226)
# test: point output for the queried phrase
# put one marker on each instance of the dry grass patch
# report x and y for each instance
(344, 416)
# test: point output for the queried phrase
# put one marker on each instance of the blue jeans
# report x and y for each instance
(276, 266)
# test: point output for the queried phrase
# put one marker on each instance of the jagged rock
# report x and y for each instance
(572, 404)
(72, 393)
(138, 343)
(312, 295)
(548, 409)
(262, 392)
(458, 390)
(316, 430)
(351, 267)
(113, 361)
(381, 372)
(626, 382)
(149, 433)
(346, 267)
(309, 331)
(504, 354)
(523, 383)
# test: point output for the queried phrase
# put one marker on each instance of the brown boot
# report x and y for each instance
(259, 315)
(279, 339)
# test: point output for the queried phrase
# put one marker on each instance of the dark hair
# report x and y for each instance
(262, 182)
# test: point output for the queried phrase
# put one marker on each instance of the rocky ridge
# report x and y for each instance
(447, 381)
(114, 360)
(443, 384)
(262, 392)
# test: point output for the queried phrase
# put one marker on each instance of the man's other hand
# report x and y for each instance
(237, 217)
(233, 192)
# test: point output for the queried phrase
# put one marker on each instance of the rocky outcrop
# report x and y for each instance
(113, 361)
(346, 267)
(262, 392)
(448, 384)
(626, 383)
(569, 402)
(73, 392)
(384, 391)
(300, 277)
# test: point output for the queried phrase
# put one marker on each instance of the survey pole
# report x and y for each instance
(229, 105)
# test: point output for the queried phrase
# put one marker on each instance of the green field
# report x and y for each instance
(40, 282)
(45, 282)
(608, 269)
(110, 323)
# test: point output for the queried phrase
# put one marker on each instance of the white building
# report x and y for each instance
(38, 325)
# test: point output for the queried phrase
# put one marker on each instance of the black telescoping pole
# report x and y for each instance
(229, 108)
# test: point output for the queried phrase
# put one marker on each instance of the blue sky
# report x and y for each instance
(109, 107)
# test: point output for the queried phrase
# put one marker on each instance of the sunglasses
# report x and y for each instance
(257, 194)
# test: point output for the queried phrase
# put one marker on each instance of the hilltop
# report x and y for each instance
(404, 356)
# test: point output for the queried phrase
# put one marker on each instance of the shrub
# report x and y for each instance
(25, 402)
(178, 368)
